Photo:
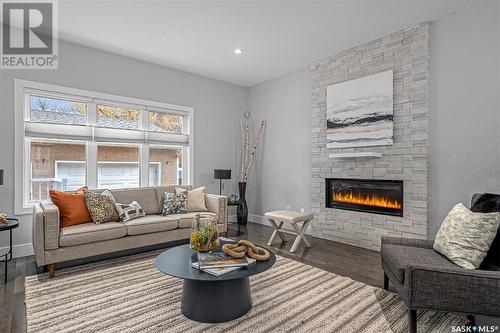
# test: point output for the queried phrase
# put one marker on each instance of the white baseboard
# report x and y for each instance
(259, 219)
(20, 250)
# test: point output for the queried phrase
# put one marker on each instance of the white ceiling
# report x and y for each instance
(277, 37)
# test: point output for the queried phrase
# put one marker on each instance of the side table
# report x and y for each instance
(238, 232)
(12, 224)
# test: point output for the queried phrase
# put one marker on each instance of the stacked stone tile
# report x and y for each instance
(406, 52)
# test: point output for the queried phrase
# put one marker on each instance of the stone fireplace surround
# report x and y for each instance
(406, 52)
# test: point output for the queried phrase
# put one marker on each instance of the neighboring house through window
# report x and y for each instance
(69, 138)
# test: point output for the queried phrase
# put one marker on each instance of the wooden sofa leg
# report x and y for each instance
(412, 321)
(386, 282)
(52, 270)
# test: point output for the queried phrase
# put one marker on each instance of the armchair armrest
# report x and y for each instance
(217, 204)
(453, 289)
(422, 243)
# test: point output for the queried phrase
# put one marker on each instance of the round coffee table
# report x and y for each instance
(207, 298)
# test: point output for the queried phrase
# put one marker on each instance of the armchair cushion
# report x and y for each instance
(398, 257)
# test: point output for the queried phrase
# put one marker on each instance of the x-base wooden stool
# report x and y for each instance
(278, 217)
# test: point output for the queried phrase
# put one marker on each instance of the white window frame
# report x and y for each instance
(22, 175)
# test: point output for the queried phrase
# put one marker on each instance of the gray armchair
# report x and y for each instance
(426, 280)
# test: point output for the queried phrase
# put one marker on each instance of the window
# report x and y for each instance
(169, 161)
(68, 138)
(164, 122)
(118, 117)
(52, 110)
(55, 165)
(117, 166)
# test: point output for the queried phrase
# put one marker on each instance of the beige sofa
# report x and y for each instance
(53, 244)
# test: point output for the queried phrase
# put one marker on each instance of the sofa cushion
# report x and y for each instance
(398, 257)
(150, 223)
(90, 233)
(145, 197)
(186, 220)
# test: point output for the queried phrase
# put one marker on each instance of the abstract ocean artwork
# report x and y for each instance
(360, 112)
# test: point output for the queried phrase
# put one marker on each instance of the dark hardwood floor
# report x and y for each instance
(356, 263)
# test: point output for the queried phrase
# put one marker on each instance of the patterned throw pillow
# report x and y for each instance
(101, 207)
(465, 236)
(174, 203)
(129, 211)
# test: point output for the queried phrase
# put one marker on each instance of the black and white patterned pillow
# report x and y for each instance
(101, 207)
(174, 203)
(129, 211)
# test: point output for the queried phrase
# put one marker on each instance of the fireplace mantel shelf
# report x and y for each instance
(356, 154)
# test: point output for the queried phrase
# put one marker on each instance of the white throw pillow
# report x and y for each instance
(129, 211)
(195, 199)
(465, 237)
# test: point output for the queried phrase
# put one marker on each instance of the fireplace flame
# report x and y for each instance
(367, 200)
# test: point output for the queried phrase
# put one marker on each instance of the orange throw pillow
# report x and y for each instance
(72, 207)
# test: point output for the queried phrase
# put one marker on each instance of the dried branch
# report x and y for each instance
(242, 172)
(254, 150)
(247, 145)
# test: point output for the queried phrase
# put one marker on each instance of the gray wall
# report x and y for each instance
(282, 176)
(464, 119)
(217, 108)
(465, 132)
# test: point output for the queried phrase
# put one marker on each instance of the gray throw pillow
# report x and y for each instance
(129, 211)
(174, 203)
(465, 237)
(101, 207)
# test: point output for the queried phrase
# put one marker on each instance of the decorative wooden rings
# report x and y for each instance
(244, 247)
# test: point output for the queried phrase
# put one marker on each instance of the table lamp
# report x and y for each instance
(221, 174)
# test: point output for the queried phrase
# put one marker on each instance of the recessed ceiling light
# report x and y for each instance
(238, 51)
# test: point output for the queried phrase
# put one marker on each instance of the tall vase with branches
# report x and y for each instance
(248, 158)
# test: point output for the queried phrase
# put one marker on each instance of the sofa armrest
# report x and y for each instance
(46, 220)
(453, 289)
(217, 204)
(422, 243)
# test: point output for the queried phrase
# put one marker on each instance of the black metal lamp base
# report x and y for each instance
(216, 301)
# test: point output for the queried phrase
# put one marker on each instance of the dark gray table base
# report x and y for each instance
(216, 301)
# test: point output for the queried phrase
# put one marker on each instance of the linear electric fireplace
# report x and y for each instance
(365, 195)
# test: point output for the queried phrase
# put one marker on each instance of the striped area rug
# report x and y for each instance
(130, 295)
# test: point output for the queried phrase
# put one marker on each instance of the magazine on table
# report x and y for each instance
(215, 271)
(218, 271)
(221, 260)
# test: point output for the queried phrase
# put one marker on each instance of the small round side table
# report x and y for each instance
(12, 224)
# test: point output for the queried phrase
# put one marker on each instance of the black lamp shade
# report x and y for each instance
(222, 174)
(1, 177)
